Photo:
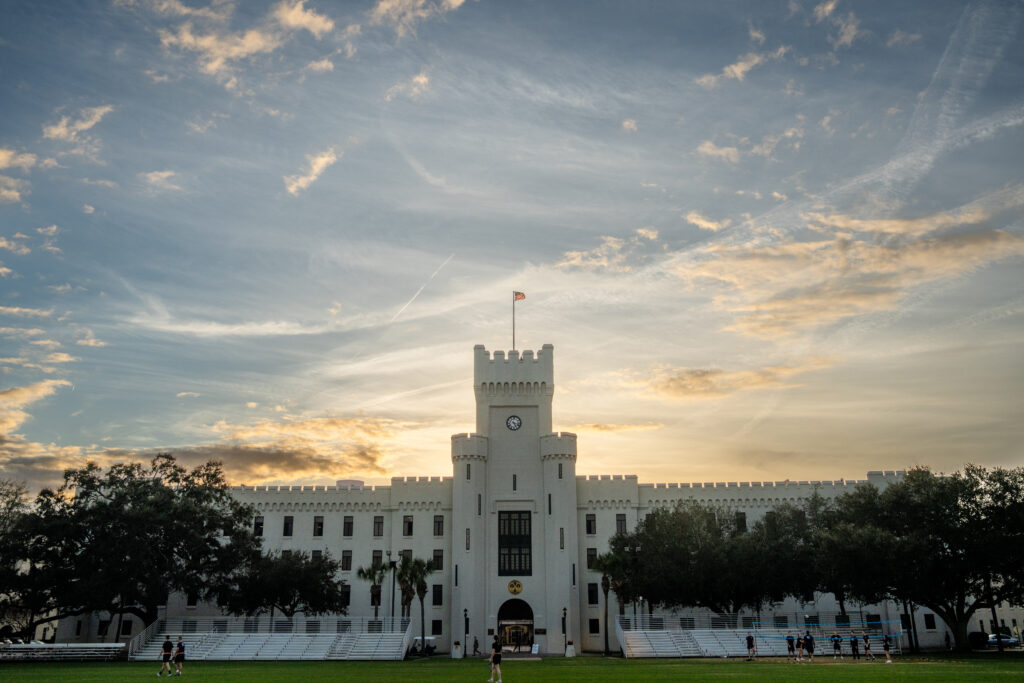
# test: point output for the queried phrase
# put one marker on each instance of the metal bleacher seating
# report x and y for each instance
(61, 651)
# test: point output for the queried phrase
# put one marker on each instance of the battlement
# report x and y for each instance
(472, 446)
(558, 444)
(518, 367)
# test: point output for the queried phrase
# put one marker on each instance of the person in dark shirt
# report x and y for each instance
(751, 652)
(886, 644)
(809, 645)
(854, 646)
(799, 648)
(790, 646)
(837, 646)
(165, 654)
(476, 646)
(867, 645)
(495, 660)
(179, 656)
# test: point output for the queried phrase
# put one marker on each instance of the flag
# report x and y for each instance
(518, 296)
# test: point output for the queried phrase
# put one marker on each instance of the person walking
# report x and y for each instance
(854, 646)
(886, 644)
(867, 646)
(790, 646)
(179, 657)
(809, 645)
(837, 646)
(495, 661)
(799, 648)
(751, 651)
(476, 647)
(165, 655)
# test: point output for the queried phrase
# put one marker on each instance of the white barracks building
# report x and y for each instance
(513, 529)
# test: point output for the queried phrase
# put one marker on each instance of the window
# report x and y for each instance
(407, 525)
(812, 621)
(317, 554)
(456, 575)
(747, 622)
(592, 594)
(741, 522)
(378, 558)
(436, 627)
(561, 538)
(438, 560)
(842, 621)
(929, 622)
(591, 557)
(378, 525)
(591, 524)
(437, 598)
(469, 471)
(286, 553)
(346, 594)
(467, 538)
(515, 544)
(514, 480)
(595, 626)
(620, 524)
(687, 623)
(479, 504)
(439, 525)
(101, 629)
(573, 573)
(257, 526)
(404, 554)
(312, 626)
(559, 470)
(549, 503)
(191, 599)
(346, 560)
(289, 524)
(780, 621)
(78, 627)
(318, 526)
(126, 627)
(346, 526)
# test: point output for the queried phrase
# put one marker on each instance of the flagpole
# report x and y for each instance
(513, 321)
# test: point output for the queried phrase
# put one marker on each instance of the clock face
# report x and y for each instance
(513, 422)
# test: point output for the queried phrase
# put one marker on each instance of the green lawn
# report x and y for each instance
(589, 669)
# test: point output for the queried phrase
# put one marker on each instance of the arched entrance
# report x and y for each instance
(515, 626)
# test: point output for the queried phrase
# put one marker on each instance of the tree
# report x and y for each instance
(118, 541)
(613, 577)
(375, 574)
(406, 584)
(418, 573)
(289, 583)
(12, 512)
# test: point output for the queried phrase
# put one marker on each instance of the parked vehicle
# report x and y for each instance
(1008, 641)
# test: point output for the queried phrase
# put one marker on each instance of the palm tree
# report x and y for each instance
(406, 584)
(613, 576)
(419, 570)
(375, 574)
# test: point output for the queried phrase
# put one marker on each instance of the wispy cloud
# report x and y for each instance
(25, 312)
(318, 163)
(713, 151)
(629, 125)
(614, 254)
(12, 189)
(187, 394)
(742, 66)
(89, 339)
(14, 246)
(13, 400)
(714, 383)
(413, 88)
(404, 15)
(899, 37)
(72, 129)
(10, 158)
(294, 15)
(705, 223)
(162, 181)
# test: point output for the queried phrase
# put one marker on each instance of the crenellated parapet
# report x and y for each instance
(525, 372)
(558, 446)
(469, 447)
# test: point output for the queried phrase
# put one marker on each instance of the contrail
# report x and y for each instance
(423, 286)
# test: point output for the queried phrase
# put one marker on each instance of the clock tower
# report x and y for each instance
(514, 516)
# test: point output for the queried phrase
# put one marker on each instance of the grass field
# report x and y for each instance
(924, 669)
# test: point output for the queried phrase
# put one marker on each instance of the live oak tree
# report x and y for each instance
(288, 583)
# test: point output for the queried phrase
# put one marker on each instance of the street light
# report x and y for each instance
(465, 620)
(565, 638)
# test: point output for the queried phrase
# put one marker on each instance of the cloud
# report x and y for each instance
(899, 37)
(88, 208)
(252, 404)
(89, 339)
(739, 70)
(218, 50)
(70, 129)
(630, 125)
(60, 289)
(5, 272)
(320, 65)
(614, 254)
(11, 189)
(713, 383)
(48, 231)
(28, 312)
(413, 88)
(318, 163)
(48, 343)
(710, 149)
(16, 247)
(780, 196)
(59, 357)
(704, 223)
(611, 428)
(161, 180)
(756, 35)
(849, 29)
(212, 329)
(12, 159)
(293, 15)
(824, 10)
(21, 331)
(187, 394)
(769, 142)
(218, 11)
(403, 15)
(14, 399)
(99, 183)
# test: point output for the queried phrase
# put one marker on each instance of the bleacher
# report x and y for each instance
(62, 651)
(660, 644)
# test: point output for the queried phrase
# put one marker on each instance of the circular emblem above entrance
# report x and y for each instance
(514, 422)
(515, 587)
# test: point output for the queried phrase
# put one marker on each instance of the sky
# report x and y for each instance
(768, 240)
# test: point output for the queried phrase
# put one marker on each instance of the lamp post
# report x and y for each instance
(392, 563)
(565, 637)
(465, 621)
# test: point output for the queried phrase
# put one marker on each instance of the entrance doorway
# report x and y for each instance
(515, 626)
